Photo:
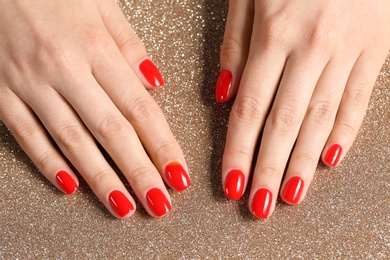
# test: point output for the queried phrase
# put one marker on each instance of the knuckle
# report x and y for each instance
(239, 152)
(71, 138)
(52, 51)
(129, 42)
(306, 160)
(96, 39)
(44, 160)
(284, 120)
(320, 32)
(100, 178)
(358, 97)
(140, 176)
(26, 132)
(54, 57)
(321, 112)
(231, 50)
(347, 128)
(271, 172)
(164, 150)
(318, 35)
(247, 109)
(141, 110)
(110, 128)
(274, 29)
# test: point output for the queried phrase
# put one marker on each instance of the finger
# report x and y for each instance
(353, 106)
(80, 148)
(315, 129)
(281, 128)
(257, 88)
(129, 44)
(120, 140)
(235, 48)
(33, 139)
(146, 118)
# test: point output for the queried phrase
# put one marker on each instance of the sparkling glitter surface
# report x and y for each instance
(346, 213)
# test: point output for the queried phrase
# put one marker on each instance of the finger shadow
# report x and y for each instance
(215, 13)
(215, 19)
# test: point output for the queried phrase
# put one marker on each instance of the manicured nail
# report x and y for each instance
(120, 203)
(234, 184)
(151, 73)
(177, 176)
(293, 190)
(224, 83)
(158, 203)
(261, 203)
(333, 155)
(66, 182)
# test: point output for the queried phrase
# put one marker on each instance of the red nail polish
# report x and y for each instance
(177, 176)
(66, 182)
(293, 190)
(234, 184)
(224, 83)
(158, 203)
(261, 203)
(120, 203)
(333, 155)
(151, 73)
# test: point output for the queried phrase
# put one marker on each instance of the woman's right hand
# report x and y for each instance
(75, 71)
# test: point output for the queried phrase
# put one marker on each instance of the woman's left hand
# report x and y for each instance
(303, 72)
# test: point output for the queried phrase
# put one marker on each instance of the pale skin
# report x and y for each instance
(302, 73)
(74, 65)
(70, 70)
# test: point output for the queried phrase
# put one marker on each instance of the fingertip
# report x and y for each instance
(151, 74)
(223, 86)
(158, 203)
(292, 192)
(261, 206)
(67, 182)
(177, 177)
(234, 184)
(332, 156)
(120, 204)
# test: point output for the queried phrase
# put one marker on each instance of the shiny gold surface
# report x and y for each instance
(345, 215)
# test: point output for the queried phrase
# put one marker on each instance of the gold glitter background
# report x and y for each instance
(345, 215)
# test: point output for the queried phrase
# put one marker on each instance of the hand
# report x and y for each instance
(303, 72)
(76, 71)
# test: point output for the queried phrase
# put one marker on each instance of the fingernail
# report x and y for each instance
(177, 176)
(333, 155)
(158, 203)
(151, 73)
(234, 184)
(120, 203)
(261, 203)
(66, 182)
(224, 83)
(293, 190)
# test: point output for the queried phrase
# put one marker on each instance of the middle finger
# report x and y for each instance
(281, 129)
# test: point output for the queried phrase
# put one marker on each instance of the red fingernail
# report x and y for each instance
(177, 176)
(66, 182)
(224, 83)
(293, 190)
(120, 203)
(234, 184)
(333, 155)
(261, 204)
(158, 203)
(151, 73)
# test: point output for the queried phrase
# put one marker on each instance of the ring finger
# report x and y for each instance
(315, 129)
(80, 148)
(282, 127)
